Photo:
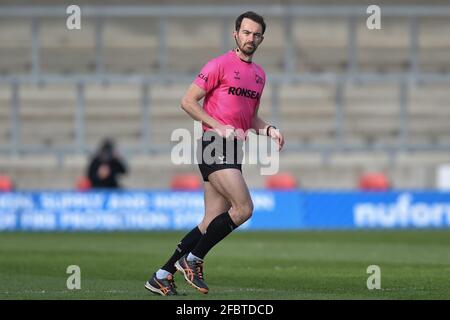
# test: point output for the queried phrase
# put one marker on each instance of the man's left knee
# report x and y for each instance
(245, 211)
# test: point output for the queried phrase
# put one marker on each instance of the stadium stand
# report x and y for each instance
(377, 129)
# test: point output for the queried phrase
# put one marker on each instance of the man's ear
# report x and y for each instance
(235, 34)
(262, 39)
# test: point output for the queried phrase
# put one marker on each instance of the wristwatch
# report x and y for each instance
(268, 128)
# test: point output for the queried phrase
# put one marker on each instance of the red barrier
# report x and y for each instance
(6, 184)
(376, 181)
(283, 181)
(186, 182)
(83, 184)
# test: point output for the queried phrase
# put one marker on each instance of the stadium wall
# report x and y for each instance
(274, 210)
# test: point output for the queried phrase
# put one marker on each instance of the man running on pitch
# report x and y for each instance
(231, 86)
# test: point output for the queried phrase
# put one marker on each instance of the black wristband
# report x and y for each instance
(268, 128)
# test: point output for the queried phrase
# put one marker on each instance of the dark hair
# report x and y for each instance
(252, 16)
(107, 148)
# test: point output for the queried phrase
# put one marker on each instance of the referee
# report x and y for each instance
(231, 85)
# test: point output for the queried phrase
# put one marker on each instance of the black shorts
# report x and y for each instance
(212, 155)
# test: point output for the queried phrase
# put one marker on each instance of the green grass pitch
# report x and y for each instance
(246, 265)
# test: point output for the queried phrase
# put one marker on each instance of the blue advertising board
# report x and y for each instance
(347, 210)
(274, 210)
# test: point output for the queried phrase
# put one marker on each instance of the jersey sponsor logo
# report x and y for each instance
(203, 76)
(258, 79)
(237, 91)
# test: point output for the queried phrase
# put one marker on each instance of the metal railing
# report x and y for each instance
(352, 74)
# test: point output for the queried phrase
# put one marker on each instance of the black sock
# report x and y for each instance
(218, 229)
(184, 246)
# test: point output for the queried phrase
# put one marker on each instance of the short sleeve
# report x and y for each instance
(209, 76)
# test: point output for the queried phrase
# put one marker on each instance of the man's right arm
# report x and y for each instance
(190, 104)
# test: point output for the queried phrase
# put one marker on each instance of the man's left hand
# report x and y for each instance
(276, 135)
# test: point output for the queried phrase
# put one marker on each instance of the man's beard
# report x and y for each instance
(247, 52)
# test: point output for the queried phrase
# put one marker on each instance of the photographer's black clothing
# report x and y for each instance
(116, 168)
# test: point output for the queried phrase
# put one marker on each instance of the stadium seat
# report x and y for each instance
(376, 181)
(6, 183)
(186, 182)
(83, 184)
(281, 181)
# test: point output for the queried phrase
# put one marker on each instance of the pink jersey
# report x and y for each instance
(233, 89)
